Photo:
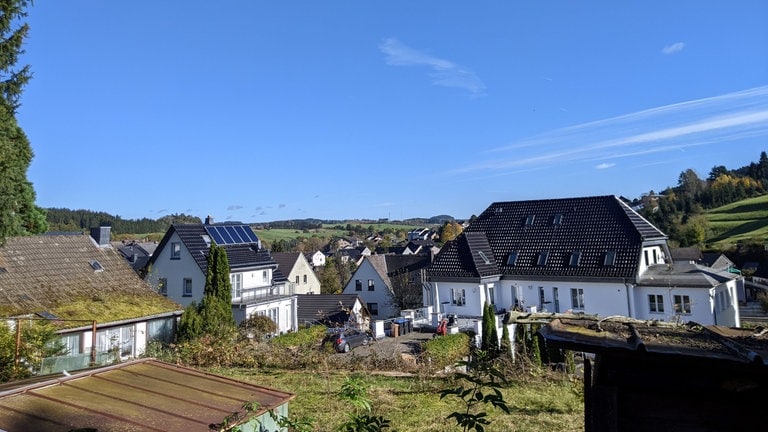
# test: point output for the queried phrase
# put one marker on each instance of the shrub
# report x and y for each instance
(762, 297)
(304, 338)
(446, 350)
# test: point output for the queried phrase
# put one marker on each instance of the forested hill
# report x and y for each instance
(61, 219)
(680, 211)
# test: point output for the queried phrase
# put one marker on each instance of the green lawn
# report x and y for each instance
(739, 221)
(413, 403)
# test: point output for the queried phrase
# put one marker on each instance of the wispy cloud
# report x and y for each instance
(674, 48)
(443, 72)
(234, 207)
(605, 165)
(710, 121)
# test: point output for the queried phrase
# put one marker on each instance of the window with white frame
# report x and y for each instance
(370, 285)
(305, 279)
(265, 276)
(274, 315)
(187, 287)
(682, 304)
(175, 250)
(577, 298)
(655, 303)
(236, 279)
(458, 296)
(297, 280)
(491, 296)
(358, 285)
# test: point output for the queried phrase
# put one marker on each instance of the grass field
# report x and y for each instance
(326, 232)
(739, 221)
(542, 404)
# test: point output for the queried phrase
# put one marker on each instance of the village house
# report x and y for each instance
(593, 255)
(299, 272)
(102, 311)
(179, 265)
(379, 278)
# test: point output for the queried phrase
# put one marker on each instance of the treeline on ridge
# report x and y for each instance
(66, 220)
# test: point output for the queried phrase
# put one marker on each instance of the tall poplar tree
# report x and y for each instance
(216, 307)
(18, 213)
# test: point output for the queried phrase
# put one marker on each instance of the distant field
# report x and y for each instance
(739, 221)
(270, 235)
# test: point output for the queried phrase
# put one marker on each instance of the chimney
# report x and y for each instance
(209, 220)
(101, 235)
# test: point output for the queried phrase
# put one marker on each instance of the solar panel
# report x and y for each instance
(231, 234)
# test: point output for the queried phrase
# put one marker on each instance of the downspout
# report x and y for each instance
(630, 298)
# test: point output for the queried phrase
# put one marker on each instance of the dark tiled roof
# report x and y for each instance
(240, 256)
(285, 260)
(324, 308)
(43, 273)
(589, 226)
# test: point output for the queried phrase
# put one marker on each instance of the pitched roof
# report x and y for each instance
(285, 260)
(539, 238)
(140, 395)
(324, 308)
(50, 273)
(240, 255)
(390, 265)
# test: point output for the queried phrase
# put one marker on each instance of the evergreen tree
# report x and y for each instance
(489, 341)
(213, 315)
(18, 213)
(506, 344)
(216, 307)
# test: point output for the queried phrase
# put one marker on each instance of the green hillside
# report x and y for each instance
(738, 222)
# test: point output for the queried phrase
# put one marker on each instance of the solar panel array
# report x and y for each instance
(231, 234)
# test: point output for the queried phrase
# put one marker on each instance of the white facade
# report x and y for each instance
(303, 277)
(703, 304)
(375, 292)
(178, 271)
(177, 275)
(318, 259)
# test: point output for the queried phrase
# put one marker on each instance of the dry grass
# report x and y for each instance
(538, 402)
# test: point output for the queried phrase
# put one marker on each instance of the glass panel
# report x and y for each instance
(233, 233)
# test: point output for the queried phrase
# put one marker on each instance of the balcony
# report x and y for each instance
(255, 295)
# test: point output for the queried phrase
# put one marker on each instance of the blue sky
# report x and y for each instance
(260, 111)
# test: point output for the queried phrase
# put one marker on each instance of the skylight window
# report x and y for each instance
(575, 259)
(512, 258)
(483, 257)
(610, 258)
(558, 219)
(529, 220)
(97, 267)
(543, 256)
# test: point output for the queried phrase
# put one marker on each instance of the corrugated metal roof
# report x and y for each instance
(143, 395)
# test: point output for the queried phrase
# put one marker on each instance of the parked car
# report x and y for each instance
(346, 340)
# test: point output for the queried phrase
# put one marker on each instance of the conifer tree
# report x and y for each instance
(490, 339)
(18, 213)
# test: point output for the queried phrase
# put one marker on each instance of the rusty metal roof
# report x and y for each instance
(142, 395)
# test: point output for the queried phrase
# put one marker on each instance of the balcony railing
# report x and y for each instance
(251, 295)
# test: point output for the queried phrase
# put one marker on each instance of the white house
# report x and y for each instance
(179, 265)
(299, 272)
(594, 255)
(317, 259)
(377, 278)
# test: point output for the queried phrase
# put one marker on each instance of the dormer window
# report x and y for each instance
(610, 258)
(543, 256)
(557, 219)
(484, 257)
(512, 258)
(529, 220)
(575, 258)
